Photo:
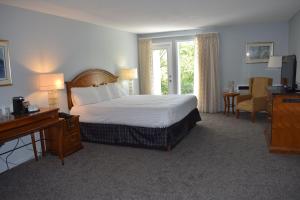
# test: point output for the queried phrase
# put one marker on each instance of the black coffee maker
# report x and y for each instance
(19, 106)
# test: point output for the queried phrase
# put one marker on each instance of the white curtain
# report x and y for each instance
(208, 90)
(145, 66)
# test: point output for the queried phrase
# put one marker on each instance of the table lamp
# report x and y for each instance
(275, 62)
(129, 74)
(52, 83)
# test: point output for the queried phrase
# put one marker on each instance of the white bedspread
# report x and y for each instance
(138, 110)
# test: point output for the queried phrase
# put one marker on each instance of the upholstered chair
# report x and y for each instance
(257, 99)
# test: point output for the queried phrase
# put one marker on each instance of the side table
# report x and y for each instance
(229, 103)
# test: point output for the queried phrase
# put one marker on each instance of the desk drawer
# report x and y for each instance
(29, 119)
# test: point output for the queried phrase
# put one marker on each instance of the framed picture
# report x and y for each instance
(5, 72)
(259, 52)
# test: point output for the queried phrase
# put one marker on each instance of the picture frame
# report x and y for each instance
(259, 52)
(5, 70)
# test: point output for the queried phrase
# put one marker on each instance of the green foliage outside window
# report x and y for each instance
(164, 71)
(186, 53)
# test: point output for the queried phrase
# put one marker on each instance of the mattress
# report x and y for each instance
(154, 111)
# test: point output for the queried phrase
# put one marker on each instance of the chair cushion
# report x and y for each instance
(259, 87)
(246, 105)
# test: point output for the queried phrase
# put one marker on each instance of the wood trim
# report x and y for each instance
(87, 78)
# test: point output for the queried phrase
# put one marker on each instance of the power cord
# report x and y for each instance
(10, 152)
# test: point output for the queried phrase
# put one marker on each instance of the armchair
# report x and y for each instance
(257, 100)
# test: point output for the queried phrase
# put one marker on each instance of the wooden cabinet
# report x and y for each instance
(71, 137)
(283, 131)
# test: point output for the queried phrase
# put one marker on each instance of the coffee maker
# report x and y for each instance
(19, 106)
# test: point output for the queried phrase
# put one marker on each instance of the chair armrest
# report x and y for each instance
(240, 98)
(260, 103)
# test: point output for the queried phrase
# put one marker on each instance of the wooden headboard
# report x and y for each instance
(91, 77)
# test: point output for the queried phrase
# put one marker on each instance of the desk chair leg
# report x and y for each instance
(42, 138)
(237, 113)
(34, 146)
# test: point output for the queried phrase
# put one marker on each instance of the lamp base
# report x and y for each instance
(130, 87)
(53, 98)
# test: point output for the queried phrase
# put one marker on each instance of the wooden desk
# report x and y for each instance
(13, 127)
(227, 103)
(283, 131)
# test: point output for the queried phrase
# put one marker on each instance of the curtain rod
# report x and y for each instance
(169, 36)
(166, 36)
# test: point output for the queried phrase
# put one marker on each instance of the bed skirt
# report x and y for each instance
(155, 138)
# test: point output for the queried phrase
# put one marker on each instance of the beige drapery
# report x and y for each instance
(145, 66)
(208, 72)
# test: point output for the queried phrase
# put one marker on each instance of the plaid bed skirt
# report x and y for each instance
(156, 138)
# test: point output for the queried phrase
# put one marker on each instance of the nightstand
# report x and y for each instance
(71, 137)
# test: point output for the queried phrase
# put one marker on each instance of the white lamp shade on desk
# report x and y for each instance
(128, 73)
(275, 62)
(52, 82)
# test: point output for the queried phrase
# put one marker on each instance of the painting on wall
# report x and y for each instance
(259, 52)
(5, 72)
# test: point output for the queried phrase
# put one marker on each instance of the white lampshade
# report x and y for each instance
(128, 73)
(275, 62)
(51, 81)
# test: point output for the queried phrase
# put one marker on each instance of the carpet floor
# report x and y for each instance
(222, 158)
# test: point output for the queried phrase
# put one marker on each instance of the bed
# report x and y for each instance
(148, 121)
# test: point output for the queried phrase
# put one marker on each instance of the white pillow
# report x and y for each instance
(84, 95)
(103, 93)
(115, 90)
(122, 91)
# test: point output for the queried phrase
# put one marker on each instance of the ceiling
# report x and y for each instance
(146, 16)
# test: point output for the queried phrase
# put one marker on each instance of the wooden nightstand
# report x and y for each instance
(71, 137)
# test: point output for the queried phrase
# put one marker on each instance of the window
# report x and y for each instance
(162, 68)
(164, 81)
(186, 65)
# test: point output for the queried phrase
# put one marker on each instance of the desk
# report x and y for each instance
(13, 127)
(227, 103)
(283, 130)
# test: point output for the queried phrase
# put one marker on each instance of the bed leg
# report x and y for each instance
(169, 147)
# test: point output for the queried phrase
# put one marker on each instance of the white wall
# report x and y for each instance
(41, 43)
(233, 41)
(294, 40)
